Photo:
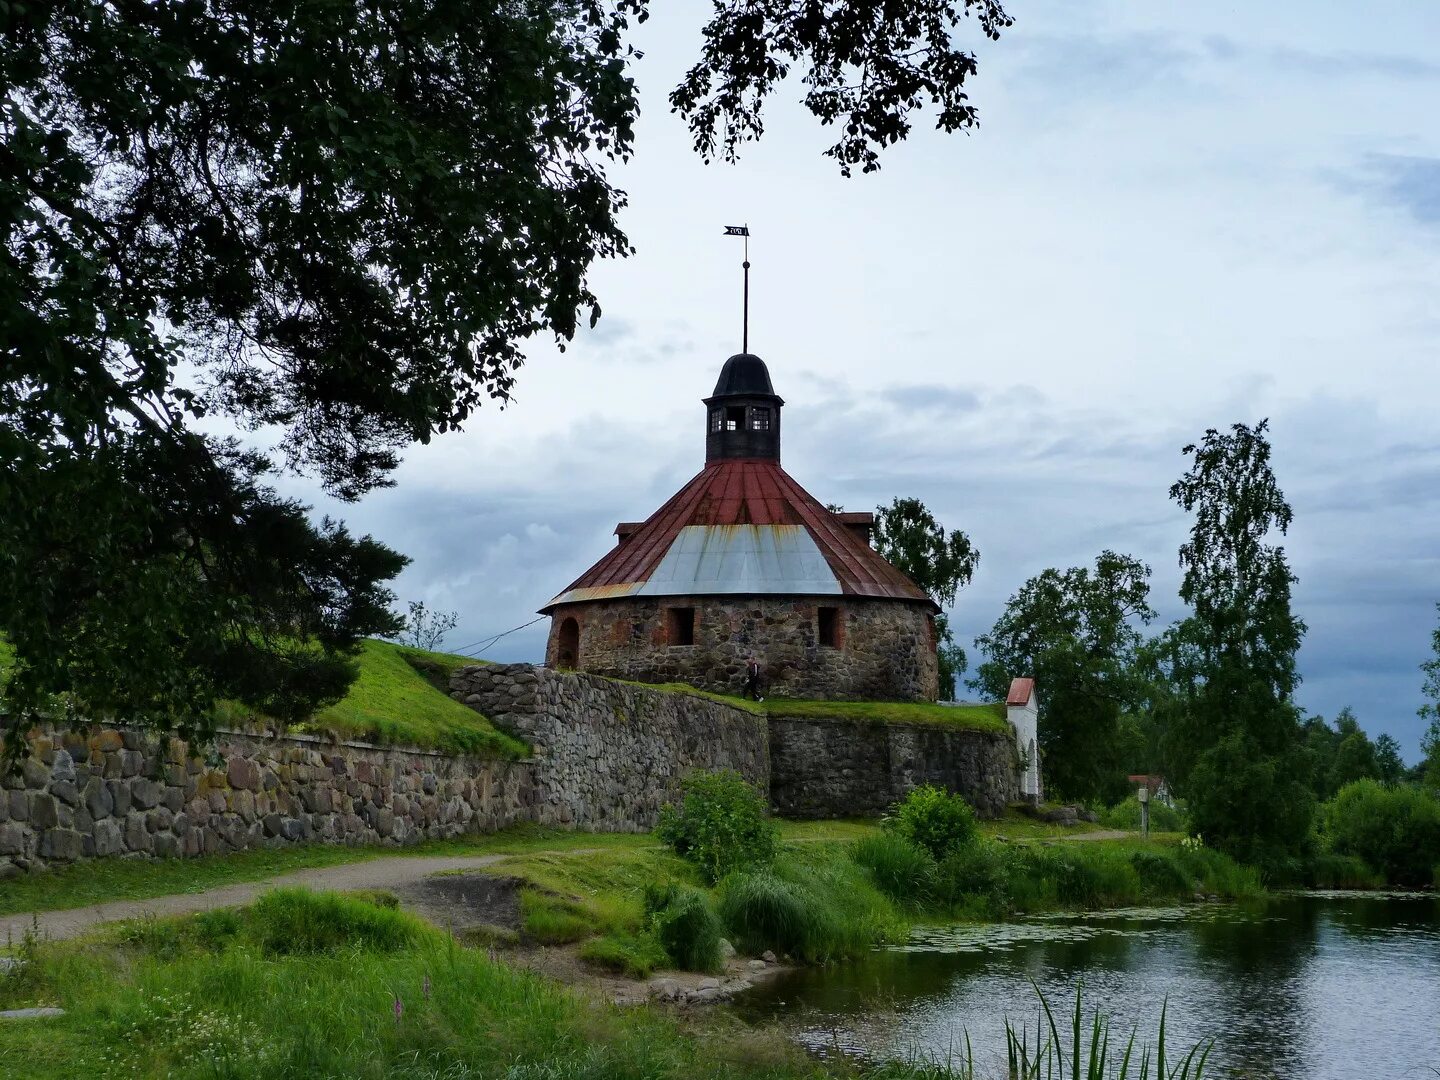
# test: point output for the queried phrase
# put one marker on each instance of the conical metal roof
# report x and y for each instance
(742, 526)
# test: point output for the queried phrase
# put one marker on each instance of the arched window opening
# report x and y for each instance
(567, 652)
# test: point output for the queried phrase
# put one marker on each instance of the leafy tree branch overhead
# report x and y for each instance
(338, 221)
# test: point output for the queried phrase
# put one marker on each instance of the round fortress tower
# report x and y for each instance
(744, 561)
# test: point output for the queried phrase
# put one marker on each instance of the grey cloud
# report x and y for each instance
(932, 397)
(1412, 183)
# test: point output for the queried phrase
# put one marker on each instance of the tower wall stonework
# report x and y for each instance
(886, 648)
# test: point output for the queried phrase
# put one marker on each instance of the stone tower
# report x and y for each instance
(744, 561)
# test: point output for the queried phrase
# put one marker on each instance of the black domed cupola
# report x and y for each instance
(743, 414)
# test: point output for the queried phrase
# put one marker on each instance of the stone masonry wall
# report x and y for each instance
(607, 756)
(886, 648)
(115, 792)
(828, 768)
(610, 754)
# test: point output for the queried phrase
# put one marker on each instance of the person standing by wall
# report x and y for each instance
(752, 679)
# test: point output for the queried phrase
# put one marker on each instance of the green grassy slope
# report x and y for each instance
(394, 701)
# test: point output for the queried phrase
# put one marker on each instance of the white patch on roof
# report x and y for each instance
(711, 559)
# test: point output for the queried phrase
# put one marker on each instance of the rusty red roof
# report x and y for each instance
(745, 492)
(1020, 691)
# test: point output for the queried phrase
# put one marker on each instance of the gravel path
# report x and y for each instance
(394, 872)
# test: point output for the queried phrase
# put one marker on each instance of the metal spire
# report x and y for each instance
(744, 230)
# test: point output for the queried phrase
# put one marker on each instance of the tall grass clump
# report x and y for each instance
(933, 819)
(1331, 870)
(297, 922)
(901, 870)
(685, 925)
(721, 824)
(1394, 829)
(553, 920)
(812, 910)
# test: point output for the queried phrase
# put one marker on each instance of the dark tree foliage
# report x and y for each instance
(1388, 763)
(334, 222)
(909, 537)
(1343, 754)
(1234, 745)
(1074, 631)
(867, 68)
(1429, 768)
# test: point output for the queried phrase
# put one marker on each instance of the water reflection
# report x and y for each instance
(1327, 987)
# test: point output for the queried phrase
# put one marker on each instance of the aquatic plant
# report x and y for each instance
(1091, 1054)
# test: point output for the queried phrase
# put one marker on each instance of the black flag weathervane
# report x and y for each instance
(744, 230)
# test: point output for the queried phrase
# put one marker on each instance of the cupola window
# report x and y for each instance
(734, 417)
(759, 419)
(717, 420)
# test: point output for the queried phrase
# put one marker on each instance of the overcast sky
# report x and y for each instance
(1172, 217)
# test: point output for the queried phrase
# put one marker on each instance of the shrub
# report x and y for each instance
(899, 869)
(1395, 830)
(1126, 815)
(721, 825)
(297, 921)
(685, 926)
(933, 819)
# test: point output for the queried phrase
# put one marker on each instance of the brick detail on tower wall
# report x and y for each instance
(887, 648)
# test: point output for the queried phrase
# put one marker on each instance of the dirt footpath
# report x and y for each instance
(397, 873)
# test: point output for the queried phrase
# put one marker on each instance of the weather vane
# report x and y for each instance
(744, 230)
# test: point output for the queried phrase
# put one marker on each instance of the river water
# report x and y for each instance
(1319, 986)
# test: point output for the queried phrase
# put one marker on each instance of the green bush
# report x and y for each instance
(1396, 830)
(686, 926)
(899, 869)
(933, 819)
(297, 921)
(721, 825)
(1126, 815)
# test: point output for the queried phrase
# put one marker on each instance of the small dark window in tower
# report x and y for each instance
(831, 627)
(567, 649)
(680, 625)
(717, 419)
(760, 419)
(734, 417)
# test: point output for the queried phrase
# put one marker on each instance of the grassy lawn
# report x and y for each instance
(314, 984)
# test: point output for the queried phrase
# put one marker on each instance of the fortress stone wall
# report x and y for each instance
(607, 755)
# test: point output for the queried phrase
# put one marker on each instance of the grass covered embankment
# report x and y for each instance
(304, 985)
(966, 717)
(401, 697)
